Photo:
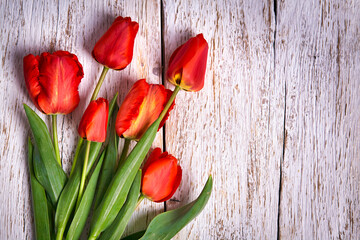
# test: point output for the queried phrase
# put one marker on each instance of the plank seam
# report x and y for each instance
(163, 69)
(283, 150)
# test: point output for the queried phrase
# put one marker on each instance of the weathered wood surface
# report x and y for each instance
(277, 123)
(318, 56)
(233, 127)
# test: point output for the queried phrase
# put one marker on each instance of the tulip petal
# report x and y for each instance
(175, 185)
(141, 107)
(93, 124)
(187, 64)
(155, 154)
(129, 109)
(60, 75)
(160, 177)
(31, 74)
(115, 48)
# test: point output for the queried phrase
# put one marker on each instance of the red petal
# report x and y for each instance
(175, 185)
(115, 48)
(155, 154)
(159, 178)
(93, 124)
(149, 111)
(129, 109)
(31, 74)
(189, 60)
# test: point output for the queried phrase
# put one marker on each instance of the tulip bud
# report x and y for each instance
(161, 176)
(187, 64)
(52, 81)
(115, 48)
(93, 123)
(141, 107)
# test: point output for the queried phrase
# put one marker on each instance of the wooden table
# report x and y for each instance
(277, 123)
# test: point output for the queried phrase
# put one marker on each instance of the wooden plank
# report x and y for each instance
(318, 54)
(233, 127)
(75, 26)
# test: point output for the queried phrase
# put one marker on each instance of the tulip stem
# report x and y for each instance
(168, 104)
(141, 197)
(83, 176)
(124, 150)
(78, 147)
(55, 138)
(100, 82)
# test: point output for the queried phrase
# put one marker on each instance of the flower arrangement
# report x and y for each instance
(112, 187)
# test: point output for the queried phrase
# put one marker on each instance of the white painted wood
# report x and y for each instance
(318, 55)
(233, 127)
(75, 26)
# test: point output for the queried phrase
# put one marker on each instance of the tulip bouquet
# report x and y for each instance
(98, 180)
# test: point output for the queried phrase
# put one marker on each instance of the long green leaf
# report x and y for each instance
(108, 168)
(134, 236)
(69, 195)
(51, 214)
(42, 176)
(81, 214)
(56, 176)
(167, 224)
(67, 200)
(39, 202)
(120, 185)
(117, 228)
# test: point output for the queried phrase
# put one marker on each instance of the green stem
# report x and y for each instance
(171, 100)
(55, 138)
(100, 82)
(78, 147)
(83, 176)
(140, 200)
(124, 151)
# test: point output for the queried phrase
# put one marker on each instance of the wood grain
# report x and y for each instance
(233, 127)
(318, 54)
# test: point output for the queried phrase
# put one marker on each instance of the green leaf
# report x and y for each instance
(42, 176)
(167, 224)
(117, 228)
(39, 202)
(69, 195)
(51, 214)
(81, 214)
(134, 236)
(56, 176)
(112, 106)
(67, 200)
(116, 193)
(108, 168)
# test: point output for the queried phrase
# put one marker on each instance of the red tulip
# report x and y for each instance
(141, 107)
(93, 123)
(115, 47)
(161, 176)
(52, 81)
(187, 64)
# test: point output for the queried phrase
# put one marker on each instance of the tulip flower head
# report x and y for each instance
(187, 64)
(161, 176)
(93, 124)
(115, 48)
(141, 107)
(52, 81)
